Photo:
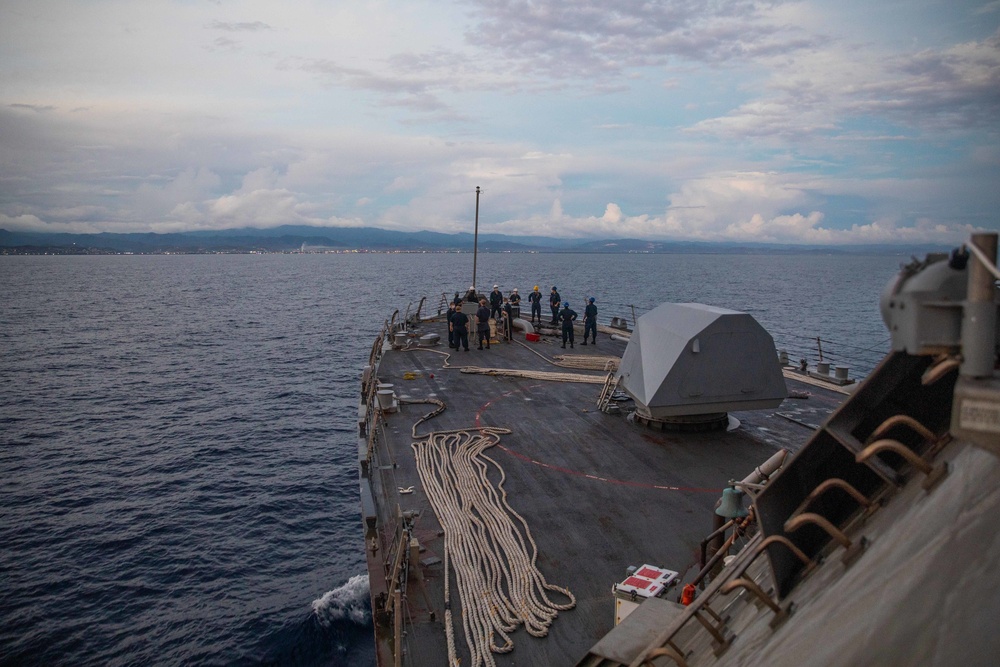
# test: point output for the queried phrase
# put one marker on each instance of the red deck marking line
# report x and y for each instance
(567, 471)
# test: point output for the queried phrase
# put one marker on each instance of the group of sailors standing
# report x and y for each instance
(505, 309)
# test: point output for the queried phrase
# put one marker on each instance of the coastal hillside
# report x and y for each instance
(291, 238)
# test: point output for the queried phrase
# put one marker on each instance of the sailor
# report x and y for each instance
(567, 316)
(508, 320)
(483, 324)
(458, 299)
(451, 333)
(515, 303)
(590, 321)
(554, 300)
(460, 327)
(535, 299)
(496, 302)
(470, 295)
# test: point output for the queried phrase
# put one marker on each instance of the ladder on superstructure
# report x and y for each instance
(610, 387)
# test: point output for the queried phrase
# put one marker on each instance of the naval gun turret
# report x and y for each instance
(688, 365)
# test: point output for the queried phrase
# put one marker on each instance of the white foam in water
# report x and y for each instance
(346, 602)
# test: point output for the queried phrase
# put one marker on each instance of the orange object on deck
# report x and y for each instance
(687, 595)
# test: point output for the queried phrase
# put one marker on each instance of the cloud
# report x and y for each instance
(37, 108)
(542, 45)
(593, 39)
(954, 87)
(310, 181)
(416, 94)
(731, 120)
(750, 207)
(239, 26)
(224, 44)
(824, 92)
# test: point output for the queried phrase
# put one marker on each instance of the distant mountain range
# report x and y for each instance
(291, 238)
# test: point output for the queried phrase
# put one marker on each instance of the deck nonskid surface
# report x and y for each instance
(598, 493)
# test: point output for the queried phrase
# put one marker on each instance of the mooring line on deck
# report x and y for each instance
(488, 544)
(594, 362)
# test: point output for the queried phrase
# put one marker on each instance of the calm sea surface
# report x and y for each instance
(177, 433)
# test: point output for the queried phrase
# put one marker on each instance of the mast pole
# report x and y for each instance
(475, 240)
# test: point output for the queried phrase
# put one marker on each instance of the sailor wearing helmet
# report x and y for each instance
(496, 303)
(470, 296)
(515, 303)
(535, 299)
(567, 316)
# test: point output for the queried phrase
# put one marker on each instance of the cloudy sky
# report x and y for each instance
(814, 121)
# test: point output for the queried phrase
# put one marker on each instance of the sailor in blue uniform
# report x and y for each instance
(515, 303)
(567, 316)
(460, 327)
(535, 299)
(508, 319)
(451, 332)
(483, 324)
(554, 300)
(496, 302)
(590, 321)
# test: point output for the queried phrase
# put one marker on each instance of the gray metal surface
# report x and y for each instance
(922, 306)
(599, 494)
(692, 359)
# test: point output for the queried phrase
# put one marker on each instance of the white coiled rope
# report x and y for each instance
(593, 362)
(536, 375)
(493, 556)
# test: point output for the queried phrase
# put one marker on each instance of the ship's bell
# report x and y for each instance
(731, 504)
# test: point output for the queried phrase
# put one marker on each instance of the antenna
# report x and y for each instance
(475, 240)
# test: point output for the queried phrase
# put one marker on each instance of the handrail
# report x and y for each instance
(751, 586)
(897, 447)
(900, 420)
(932, 474)
(795, 523)
(939, 370)
(832, 483)
(781, 539)
(665, 651)
(703, 546)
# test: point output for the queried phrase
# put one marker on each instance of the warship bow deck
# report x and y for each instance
(874, 543)
(598, 492)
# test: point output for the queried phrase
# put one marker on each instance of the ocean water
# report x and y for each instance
(177, 433)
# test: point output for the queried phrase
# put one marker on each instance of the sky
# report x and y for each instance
(803, 122)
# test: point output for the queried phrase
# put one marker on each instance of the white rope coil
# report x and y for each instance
(591, 362)
(487, 543)
(536, 375)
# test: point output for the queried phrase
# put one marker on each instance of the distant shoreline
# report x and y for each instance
(79, 252)
(291, 239)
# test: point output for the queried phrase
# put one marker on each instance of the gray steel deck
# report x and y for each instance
(599, 493)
